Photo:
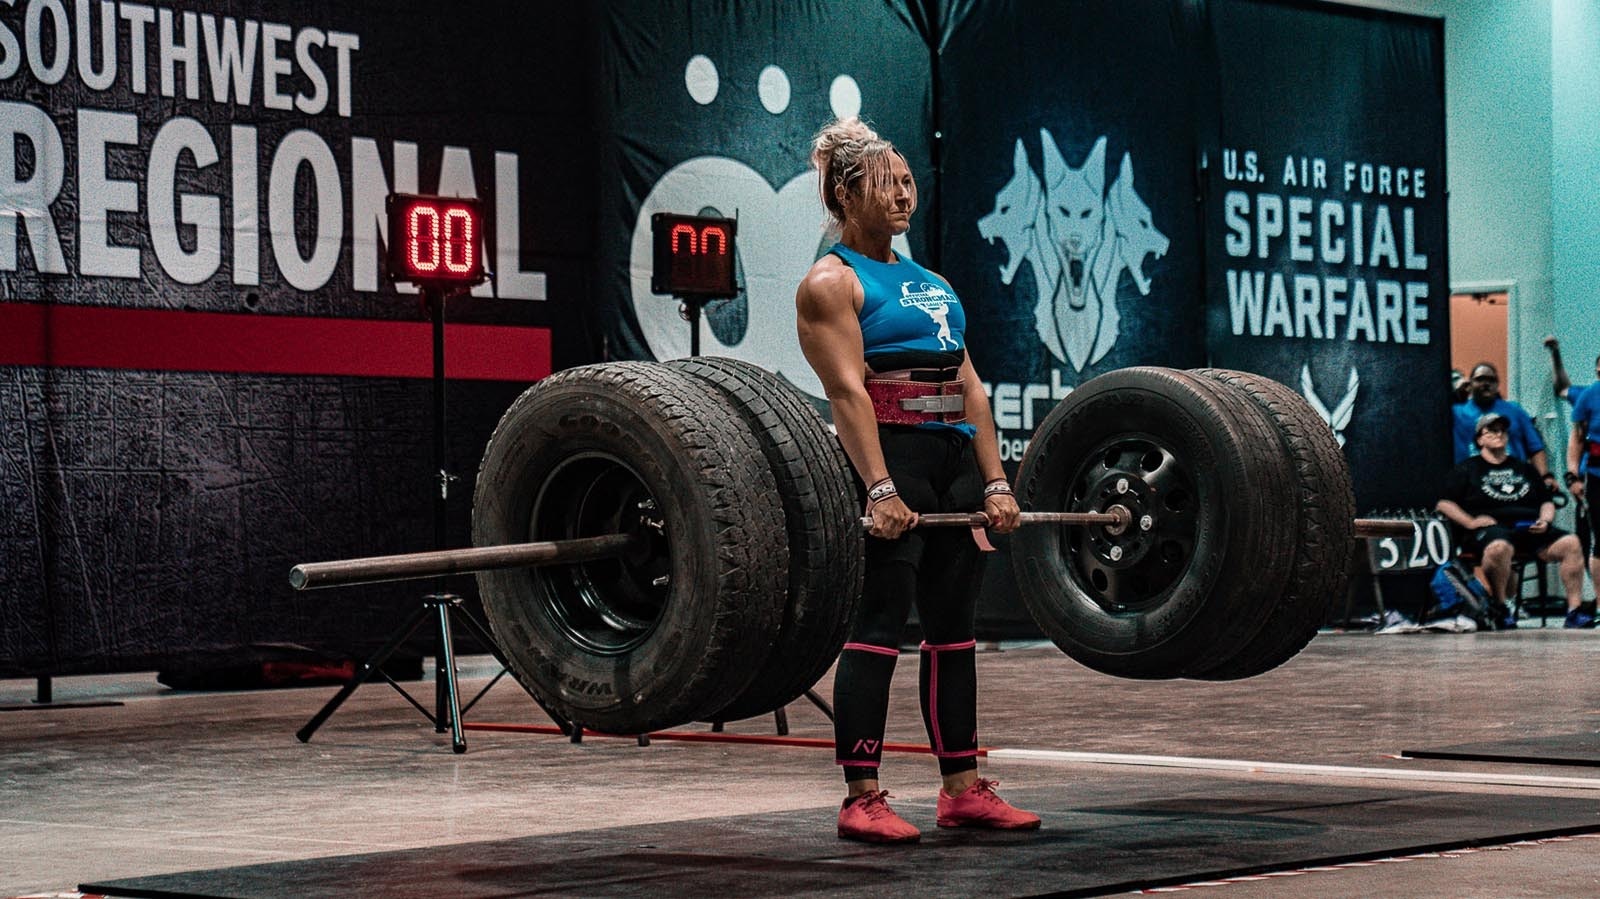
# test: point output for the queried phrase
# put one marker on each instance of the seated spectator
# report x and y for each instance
(1524, 440)
(1501, 508)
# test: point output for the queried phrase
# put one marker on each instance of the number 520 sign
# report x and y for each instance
(1427, 547)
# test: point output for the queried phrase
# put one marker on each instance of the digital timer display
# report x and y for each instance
(693, 256)
(435, 240)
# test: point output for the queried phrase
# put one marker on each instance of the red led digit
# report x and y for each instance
(693, 255)
(422, 240)
(694, 245)
(720, 233)
(458, 243)
(434, 240)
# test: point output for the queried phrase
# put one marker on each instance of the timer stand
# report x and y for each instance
(456, 264)
(689, 308)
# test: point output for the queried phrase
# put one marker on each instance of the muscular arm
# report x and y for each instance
(1001, 508)
(985, 445)
(830, 336)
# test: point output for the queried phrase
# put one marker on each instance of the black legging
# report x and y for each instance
(939, 569)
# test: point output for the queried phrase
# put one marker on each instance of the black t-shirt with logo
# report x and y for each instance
(1511, 491)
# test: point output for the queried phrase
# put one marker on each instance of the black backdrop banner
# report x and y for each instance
(1069, 219)
(1069, 222)
(204, 379)
(203, 376)
(1325, 228)
(710, 108)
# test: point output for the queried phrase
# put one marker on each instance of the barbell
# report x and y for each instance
(661, 543)
(438, 563)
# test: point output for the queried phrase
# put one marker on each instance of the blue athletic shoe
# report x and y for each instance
(1579, 618)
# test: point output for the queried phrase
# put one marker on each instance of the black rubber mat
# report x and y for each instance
(1561, 749)
(1140, 829)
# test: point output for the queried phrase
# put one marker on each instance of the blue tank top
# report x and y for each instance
(907, 309)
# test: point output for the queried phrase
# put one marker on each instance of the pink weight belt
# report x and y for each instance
(897, 399)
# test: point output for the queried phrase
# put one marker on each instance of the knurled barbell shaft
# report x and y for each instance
(978, 519)
(413, 566)
(1364, 527)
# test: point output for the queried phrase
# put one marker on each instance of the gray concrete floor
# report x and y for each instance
(179, 781)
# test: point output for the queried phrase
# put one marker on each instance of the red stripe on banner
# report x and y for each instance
(56, 336)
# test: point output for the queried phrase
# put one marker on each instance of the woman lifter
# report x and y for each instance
(885, 336)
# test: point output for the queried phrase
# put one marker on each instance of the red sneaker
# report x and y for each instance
(978, 806)
(869, 818)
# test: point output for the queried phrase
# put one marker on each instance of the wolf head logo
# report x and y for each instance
(1136, 236)
(1017, 217)
(1077, 237)
(1075, 211)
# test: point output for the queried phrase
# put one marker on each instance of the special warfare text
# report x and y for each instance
(1299, 240)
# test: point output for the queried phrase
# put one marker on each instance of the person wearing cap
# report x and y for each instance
(1501, 508)
(1523, 440)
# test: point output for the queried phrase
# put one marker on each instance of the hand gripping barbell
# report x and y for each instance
(698, 539)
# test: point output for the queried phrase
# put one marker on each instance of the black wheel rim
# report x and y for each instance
(607, 606)
(1135, 570)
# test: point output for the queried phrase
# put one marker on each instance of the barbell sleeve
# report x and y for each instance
(1384, 527)
(414, 566)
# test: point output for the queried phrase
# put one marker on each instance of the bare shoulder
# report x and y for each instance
(829, 285)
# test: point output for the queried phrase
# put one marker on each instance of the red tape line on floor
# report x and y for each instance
(692, 737)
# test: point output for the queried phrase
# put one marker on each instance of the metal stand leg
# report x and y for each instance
(447, 698)
(365, 672)
(820, 703)
(447, 695)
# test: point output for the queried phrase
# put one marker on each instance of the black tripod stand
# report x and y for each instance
(447, 710)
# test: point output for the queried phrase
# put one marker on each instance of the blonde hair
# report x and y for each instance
(850, 157)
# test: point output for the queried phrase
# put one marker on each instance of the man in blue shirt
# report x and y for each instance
(1583, 460)
(1566, 390)
(1524, 441)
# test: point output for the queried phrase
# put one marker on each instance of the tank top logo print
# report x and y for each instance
(935, 301)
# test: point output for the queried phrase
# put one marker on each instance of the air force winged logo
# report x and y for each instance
(1339, 418)
(1078, 238)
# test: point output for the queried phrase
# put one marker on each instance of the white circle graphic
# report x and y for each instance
(844, 96)
(773, 87)
(700, 77)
